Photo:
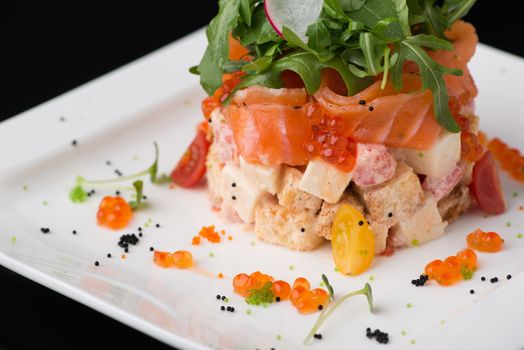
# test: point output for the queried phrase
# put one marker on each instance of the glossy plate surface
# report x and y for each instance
(118, 117)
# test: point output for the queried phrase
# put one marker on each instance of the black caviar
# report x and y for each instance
(381, 337)
(494, 280)
(126, 240)
(317, 336)
(45, 230)
(419, 282)
(97, 263)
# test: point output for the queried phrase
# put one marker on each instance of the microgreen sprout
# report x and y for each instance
(329, 287)
(332, 307)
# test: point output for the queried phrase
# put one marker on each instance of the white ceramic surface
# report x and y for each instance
(117, 118)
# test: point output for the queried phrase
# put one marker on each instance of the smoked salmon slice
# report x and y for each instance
(271, 126)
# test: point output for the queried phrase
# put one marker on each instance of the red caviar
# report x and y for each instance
(230, 81)
(195, 240)
(306, 300)
(242, 284)
(210, 234)
(163, 259)
(114, 212)
(281, 290)
(510, 159)
(301, 295)
(453, 268)
(328, 141)
(181, 259)
(471, 147)
(489, 242)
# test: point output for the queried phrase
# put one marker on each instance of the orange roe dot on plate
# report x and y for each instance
(220, 275)
(242, 284)
(123, 256)
(230, 238)
(489, 242)
(195, 240)
(210, 234)
(182, 259)
(163, 259)
(259, 279)
(114, 212)
(468, 259)
(302, 282)
(281, 289)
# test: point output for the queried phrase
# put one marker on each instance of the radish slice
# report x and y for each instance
(297, 15)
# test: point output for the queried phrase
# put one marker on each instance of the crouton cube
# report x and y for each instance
(278, 225)
(394, 199)
(292, 197)
(424, 225)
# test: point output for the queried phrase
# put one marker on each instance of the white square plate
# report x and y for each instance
(117, 118)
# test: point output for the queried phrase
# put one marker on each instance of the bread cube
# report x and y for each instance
(424, 225)
(278, 225)
(394, 199)
(292, 197)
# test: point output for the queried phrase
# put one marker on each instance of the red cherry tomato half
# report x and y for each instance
(486, 186)
(192, 166)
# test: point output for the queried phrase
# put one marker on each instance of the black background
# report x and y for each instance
(47, 48)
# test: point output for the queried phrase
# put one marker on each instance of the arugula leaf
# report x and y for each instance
(245, 11)
(354, 83)
(319, 37)
(432, 76)
(334, 9)
(458, 9)
(435, 21)
(259, 65)
(402, 10)
(373, 11)
(233, 66)
(304, 64)
(369, 44)
(352, 5)
(388, 30)
(217, 51)
(139, 187)
(431, 42)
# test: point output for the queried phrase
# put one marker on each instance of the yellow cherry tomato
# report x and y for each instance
(352, 241)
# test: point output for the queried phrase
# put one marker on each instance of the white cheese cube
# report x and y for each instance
(324, 181)
(437, 161)
(267, 178)
(425, 225)
(240, 193)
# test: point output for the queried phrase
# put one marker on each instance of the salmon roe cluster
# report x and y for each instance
(114, 212)
(302, 297)
(328, 141)
(471, 147)
(510, 159)
(209, 233)
(453, 268)
(489, 242)
(181, 259)
(230, 81)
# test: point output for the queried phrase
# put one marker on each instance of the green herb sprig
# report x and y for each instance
(358, 38)
(78, 194)
(325, 313)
